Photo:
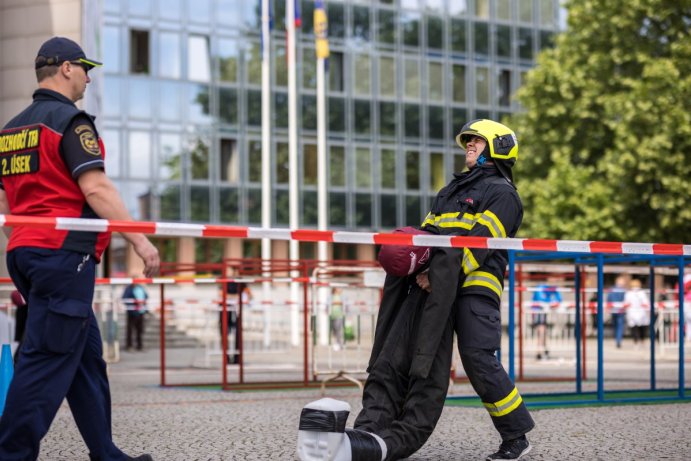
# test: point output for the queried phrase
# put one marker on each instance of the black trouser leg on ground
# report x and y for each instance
(401, 410)
(478, 327)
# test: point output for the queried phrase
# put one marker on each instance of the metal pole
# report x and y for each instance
(681, 328)
(577, 329)
(512, 310)
(520, 323)
(162, 324)
(651, 326)
(600, 328)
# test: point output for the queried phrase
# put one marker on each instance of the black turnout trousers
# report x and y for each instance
(404, 410)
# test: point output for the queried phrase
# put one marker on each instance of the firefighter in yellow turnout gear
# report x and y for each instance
(411, 356)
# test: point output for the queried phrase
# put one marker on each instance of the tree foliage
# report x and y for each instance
(605, 137)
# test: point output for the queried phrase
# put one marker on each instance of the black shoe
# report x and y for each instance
(512, 449)
(140, 458)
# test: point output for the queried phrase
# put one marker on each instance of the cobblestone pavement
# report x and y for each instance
(187, 424)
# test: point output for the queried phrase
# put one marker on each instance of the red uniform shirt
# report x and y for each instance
(43, 151)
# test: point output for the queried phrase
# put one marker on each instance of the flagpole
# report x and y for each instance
(293, 210)
(266, 161)
(322, 52)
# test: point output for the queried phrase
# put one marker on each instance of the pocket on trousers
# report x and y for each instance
(486, 329)
(65, 324)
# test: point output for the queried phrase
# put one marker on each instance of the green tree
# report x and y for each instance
(605, 138)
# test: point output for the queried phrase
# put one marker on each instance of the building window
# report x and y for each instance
(435, 122)
(309, 68)
(139, 155)
(169, 64)
(525, 43)
(336, 19)
(199, 203)
(336, 115)
(435, 33)
(309, 112)
(170, 168)
(503, 41)
(362, 116)
(412, 210)
(388, 210)
(337, 166)
(437, 173)
(435, 81)
(363, 71)
(481, 38)
(412, 170)
(254, 161)
(482, 9)
(282, 163)
(336, 81)
(387, 76)
(482, 85)
(387, 119)
(458, 83)
(230, 164)
(228, 60)
(229, 200)
(410, 26)
(309, 164)
(361, 26)
(504, 9)
(411, 115)
(169, 198)
(458, 35)
(337, 211)
(198, 58)
(525, 10)
(504, 88)
(309, 215)
(412, 78)
(363, 210)
(388, 169)
(281, 65)
(228, 105)
(363, 168)
(386, 27)
(199, 158)
(139, 51)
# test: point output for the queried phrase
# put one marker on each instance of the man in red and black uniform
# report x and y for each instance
(52, 164)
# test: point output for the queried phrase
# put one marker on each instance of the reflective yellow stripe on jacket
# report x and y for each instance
(483, 279)
(467, 221)
(505, 405)
(450, 220)
(469, 262)
(490, 220)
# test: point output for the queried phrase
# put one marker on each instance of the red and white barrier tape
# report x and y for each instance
(370, 238)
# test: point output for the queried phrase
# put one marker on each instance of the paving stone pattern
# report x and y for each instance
(179, 424)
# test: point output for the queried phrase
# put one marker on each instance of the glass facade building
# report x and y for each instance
(181, 114)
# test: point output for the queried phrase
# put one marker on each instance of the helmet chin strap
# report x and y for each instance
(481, 160)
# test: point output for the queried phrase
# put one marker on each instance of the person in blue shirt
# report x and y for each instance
(134, 297)
(545, 297)
(615, 301)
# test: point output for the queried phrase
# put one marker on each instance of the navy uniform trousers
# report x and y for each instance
(61, 356)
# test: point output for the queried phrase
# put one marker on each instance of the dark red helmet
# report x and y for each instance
(404, 260)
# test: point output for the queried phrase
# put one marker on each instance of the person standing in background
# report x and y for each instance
(615, 300)
(637, 311)
(134, 298)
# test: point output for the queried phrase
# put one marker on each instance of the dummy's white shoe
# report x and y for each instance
(322, 435)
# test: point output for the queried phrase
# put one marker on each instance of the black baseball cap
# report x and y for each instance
(60, 49)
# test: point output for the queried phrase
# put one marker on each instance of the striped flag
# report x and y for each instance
(321, 29)
(298, 17)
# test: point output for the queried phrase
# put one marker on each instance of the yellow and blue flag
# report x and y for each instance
(321, 30)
